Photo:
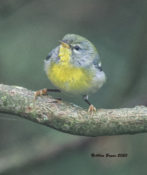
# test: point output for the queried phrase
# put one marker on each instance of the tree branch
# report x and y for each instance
(70, 118)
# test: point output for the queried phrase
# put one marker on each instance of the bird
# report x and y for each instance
(74, 67)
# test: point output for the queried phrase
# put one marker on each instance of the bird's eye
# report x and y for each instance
(77, 48)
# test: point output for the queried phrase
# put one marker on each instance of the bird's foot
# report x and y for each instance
(40, 93)
(91, 109)
(44, 92)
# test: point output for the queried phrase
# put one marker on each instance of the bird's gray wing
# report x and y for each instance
(97, 63)
(53, 55)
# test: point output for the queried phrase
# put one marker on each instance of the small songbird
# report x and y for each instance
(74, 67)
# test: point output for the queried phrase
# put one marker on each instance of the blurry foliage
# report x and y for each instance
(29, 30)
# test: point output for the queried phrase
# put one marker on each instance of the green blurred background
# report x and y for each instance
(29, 29)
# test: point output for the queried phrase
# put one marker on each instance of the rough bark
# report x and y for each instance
(70, 118)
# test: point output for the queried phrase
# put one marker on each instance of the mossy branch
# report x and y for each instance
(70, 118)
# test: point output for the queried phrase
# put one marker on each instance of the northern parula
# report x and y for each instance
(74, 67)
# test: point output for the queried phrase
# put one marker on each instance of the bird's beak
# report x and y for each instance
(64, 44)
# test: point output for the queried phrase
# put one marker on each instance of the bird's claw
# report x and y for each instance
(91, 109)
(40, 93)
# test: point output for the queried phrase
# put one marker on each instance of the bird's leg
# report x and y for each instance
(53, 90)
(44, 92)
(91, 107)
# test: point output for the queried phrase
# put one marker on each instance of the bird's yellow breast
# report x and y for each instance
(69, 78)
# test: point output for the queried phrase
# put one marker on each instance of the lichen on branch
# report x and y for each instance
(71, 118)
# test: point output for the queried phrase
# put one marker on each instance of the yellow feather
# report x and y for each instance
(67, 77)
